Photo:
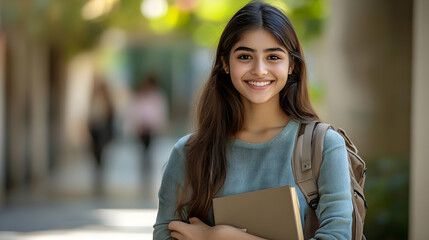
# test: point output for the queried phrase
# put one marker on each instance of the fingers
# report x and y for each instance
(194, 220)
(181, 229)
(176, 225)
(176, 235)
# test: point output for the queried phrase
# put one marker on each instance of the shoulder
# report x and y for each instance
(180, 146)
(176, 163)
(333, 140)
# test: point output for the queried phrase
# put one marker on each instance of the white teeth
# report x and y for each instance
(259, 84)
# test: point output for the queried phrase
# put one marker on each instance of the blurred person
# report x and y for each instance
(148, 117)
(100, 126)
(247, 122)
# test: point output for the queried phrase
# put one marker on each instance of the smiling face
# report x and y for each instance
(259, 67)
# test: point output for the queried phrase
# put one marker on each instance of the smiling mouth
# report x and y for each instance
(259, 83)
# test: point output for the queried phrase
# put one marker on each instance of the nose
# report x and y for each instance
(259, 68)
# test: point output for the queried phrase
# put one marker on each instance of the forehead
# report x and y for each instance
(259, 38)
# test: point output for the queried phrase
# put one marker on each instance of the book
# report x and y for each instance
(269, 213)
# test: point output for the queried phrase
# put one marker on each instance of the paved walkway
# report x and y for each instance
(76, 220)
(125, 210)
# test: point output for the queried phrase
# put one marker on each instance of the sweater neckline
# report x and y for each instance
(290, 127)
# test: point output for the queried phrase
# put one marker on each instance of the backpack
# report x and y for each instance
(306, 162)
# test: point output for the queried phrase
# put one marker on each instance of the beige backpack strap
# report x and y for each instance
(306, 147)
(308, 155)
(317, 147)
(301, 163)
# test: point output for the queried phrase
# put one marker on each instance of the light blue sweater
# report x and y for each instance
(253, 167)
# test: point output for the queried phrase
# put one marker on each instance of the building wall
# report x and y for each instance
(2, 115)
(366, 68)
(26, 115)
(419, 195)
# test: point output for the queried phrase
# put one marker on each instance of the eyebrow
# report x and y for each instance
(275, 49)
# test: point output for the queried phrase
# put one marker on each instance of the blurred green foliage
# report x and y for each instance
(60, 22)
(317, 91)
(387, 191)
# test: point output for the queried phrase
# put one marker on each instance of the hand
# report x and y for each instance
(196, 229)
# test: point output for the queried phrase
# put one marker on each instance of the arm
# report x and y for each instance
(335, 206)
(172, 181)
(168, 225)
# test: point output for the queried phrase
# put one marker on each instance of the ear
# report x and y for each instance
(224, 65)
(291, 65)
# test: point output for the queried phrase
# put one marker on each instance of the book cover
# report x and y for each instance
(270, 213)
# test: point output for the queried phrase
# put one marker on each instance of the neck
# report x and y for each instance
(262, 117)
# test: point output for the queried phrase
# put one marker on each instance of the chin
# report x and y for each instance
(258, 101)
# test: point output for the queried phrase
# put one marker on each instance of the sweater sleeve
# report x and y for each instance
(172, 182)
(335, 207)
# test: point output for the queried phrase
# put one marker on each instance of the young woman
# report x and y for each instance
(248, 118)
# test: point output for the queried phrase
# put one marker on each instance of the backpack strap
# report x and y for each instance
(308, 155)
(302, 164)
(317, 147)
(306, 152)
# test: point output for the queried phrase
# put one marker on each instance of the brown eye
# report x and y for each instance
(244, 57)
(273, 57)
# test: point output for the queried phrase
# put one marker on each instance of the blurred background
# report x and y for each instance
(94, 94)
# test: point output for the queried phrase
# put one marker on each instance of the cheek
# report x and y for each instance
(237, 71)
(281, 72)
(237, 68)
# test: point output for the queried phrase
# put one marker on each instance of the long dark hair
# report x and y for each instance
(220, 111)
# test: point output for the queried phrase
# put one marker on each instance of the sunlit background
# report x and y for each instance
(94, 94)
